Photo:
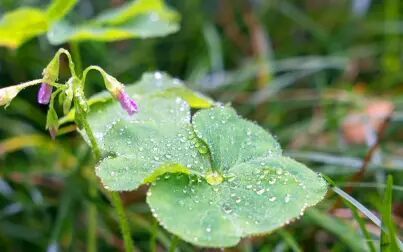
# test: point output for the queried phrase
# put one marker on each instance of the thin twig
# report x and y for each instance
(368, 157)
(359, 175)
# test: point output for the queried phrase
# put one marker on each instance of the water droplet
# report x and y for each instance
(226, 208)
(208, 229)
(158, 75)
(214, 178)
(287, 198)
(202, 149)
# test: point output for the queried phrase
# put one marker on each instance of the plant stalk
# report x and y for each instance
(115, 197)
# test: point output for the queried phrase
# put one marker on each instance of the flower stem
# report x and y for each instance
(124, 224)
(75, 50)
(92, 222)
(115, 197)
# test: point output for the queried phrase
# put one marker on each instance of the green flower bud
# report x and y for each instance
(52, 122)
(114, 86)
(51, 72)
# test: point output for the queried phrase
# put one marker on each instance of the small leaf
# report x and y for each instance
(137, 19)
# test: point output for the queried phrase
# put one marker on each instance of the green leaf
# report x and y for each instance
(59, 8)
(214, 181)
(137, 19)
(131, 9)
(231, 139)
(258, 185)
(20, 25)
(389, 238)
(151, 142)
(161, 84)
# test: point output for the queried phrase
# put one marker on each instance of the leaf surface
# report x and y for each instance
(261, 190)
(214, 180)
(157, 139)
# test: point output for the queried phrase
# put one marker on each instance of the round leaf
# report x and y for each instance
(252, 190)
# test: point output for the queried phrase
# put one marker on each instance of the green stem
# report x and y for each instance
(92, 222)
(115, 197)
(31, 83)
(96, 68)
(92, 209)
(71, 63)
(91, 137)
(174, 243)
(75, 50)
(124, 224)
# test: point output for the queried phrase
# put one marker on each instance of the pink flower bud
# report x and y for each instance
(127, 103)
(45, 91)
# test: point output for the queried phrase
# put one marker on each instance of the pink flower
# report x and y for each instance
(127, 102)
(45, 91)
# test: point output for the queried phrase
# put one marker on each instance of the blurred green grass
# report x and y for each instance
(298, 68)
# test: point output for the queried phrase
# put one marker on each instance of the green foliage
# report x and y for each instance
(303, 79)
(231, 179)
(18, 26)
(136, 19)
(389, 239)
(21, 25)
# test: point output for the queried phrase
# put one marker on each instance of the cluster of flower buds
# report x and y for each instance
(117, 90)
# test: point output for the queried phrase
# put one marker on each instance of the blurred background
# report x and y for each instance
(324, 76)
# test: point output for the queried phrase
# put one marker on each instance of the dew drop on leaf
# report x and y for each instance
(226, 208)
